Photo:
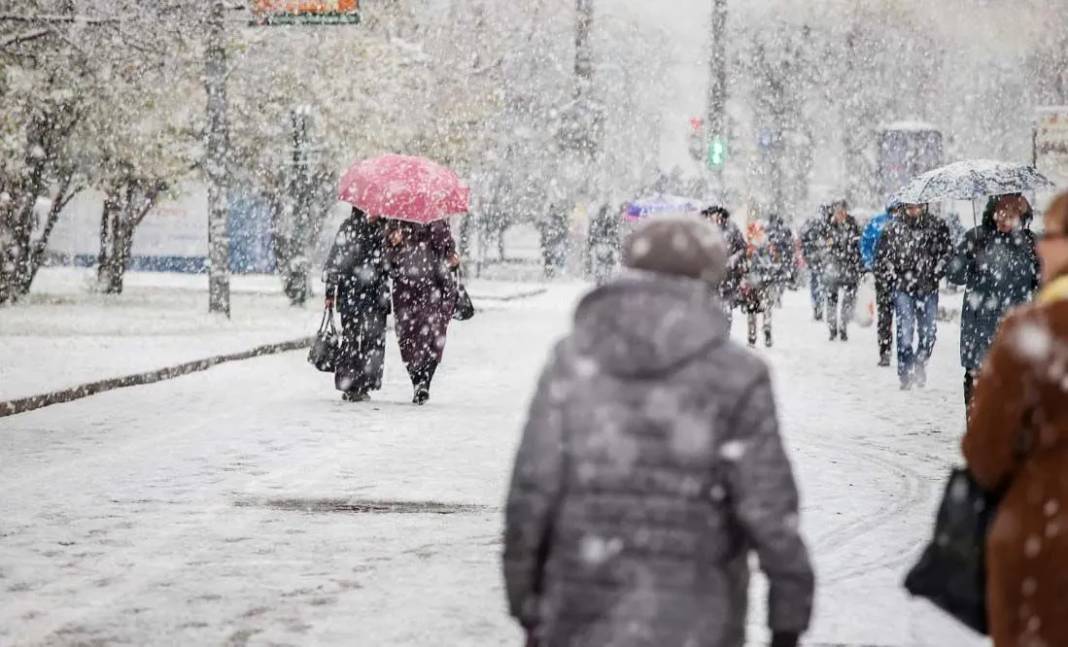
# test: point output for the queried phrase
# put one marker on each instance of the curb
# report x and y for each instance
(22, 405)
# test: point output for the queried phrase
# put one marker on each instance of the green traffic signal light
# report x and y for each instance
(717, 152)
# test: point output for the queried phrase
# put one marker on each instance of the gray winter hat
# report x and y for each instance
(686, 246)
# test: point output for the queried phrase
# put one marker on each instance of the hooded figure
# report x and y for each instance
(650, 467)
(998, 264)
(357, 283)
(759, 272)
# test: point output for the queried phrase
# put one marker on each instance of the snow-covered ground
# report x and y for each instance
(64, 334)
(222, 508)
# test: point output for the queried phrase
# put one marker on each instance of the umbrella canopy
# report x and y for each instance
(659, 205)
(970, 180)
(400, 187)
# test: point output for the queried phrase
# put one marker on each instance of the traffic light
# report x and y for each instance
(717, 152)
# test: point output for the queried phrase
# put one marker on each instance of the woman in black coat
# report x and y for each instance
(998, 265)
(357, 284)
(421, 261)
(842, 267)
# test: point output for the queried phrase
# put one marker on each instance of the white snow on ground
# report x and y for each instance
(120, 520)
(64, 335)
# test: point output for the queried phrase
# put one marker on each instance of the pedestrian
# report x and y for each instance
(422, 261)
(914, 253)
(813, 248)
(1015, 446)
(603, 242)
(841, 271)
(736, 249)
(997, 263)
(651, 465)
(759, 271)
(884, 283)
(357, 284)
(783, 249)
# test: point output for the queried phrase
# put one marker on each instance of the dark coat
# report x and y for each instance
(1000, 271)
(781, 240)
(736, 248)
(356, 270)
(1017, 442)
(813, 244)
(914, 253)
(650, 467)
(843, 263)
(424, 289)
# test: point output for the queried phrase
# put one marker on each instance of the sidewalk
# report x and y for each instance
(64, 335)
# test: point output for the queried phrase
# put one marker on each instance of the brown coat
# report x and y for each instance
(1024, 386)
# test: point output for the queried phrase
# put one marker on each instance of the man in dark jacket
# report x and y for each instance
(357, 283)
(884, 283)
(998, 264)
(813, 249)
(842, 267)
(736, 250)
(914, 253)
(650, 466)
(781, 241)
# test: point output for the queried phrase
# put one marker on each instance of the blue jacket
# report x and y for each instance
(872, 232)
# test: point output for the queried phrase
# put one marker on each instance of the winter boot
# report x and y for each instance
(767, 338)
(422, 395)
(356, 395)
(752, 331)
(843, 335)
(884, 360)
(834, 334)
(817, 314)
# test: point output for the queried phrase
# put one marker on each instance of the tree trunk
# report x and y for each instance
(40, 246)
(216, 167)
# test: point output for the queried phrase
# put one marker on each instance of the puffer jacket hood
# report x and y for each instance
(646, 325)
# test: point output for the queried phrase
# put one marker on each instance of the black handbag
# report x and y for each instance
(952, 571)
(323, 353)
(465, 308)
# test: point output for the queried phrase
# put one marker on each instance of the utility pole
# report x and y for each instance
(590, 120)
(216, 165)
(301, 190)
(717, 92)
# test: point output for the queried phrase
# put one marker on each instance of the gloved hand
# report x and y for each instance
(784, 639)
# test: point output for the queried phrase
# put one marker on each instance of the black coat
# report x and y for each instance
(736, 248)
(913, 253)
(842, 261)
(1000, 271)
(781, 240)
(813, 247)
(356, 267)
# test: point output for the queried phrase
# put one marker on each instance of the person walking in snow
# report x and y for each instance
(884, 283)
(1015, 445)
(813, 248)
(736, 249)
(841, 271)
(759, 270)
(997, 263)
(914, 253)
(422, 260)
(781, 240)
(357, 284)
(651, 465)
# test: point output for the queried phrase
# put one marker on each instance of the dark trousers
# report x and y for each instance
(848, 294)
(362, 354)
(816, 289)
(884, 303)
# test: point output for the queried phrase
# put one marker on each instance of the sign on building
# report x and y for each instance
(306, 12)
(1051, 144)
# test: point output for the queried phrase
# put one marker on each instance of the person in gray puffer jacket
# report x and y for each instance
(651, 465)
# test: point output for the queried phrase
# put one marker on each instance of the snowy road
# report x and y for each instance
(208, 510)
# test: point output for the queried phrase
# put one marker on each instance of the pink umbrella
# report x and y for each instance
(400, 187)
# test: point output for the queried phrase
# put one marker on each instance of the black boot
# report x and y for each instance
(843, 335)
(834, 334)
